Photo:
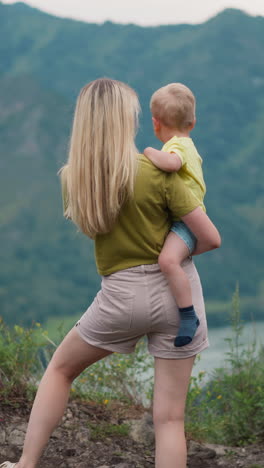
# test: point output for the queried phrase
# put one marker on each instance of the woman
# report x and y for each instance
(126, 204)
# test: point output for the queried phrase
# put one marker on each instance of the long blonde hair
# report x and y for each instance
(101, 167)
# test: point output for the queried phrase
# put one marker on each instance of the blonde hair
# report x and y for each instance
(174, 106)
(101, 167)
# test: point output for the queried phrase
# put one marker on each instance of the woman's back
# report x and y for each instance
(144, 220)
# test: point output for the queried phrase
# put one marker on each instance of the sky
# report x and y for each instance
(143, 12)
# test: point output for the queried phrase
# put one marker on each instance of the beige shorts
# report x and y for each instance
(137, 302)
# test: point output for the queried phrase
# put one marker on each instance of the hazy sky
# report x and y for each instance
(142, 11)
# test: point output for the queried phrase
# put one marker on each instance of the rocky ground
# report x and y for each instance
(93, 436)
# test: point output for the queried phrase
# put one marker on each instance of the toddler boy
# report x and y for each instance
(173, 116)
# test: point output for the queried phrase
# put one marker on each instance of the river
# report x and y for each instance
(215, 356)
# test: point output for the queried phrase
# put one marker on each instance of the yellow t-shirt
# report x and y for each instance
(191, 171)
(144, 221)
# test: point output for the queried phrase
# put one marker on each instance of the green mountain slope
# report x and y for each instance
(44, 269)
(40, 254)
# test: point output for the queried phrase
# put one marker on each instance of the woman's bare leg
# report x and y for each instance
(71, 358)
(172, 378)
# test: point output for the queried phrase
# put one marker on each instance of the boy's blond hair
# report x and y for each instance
(174, 106)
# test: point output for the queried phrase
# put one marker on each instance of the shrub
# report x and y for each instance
(20, 362)
(230, 408)
(126, 377)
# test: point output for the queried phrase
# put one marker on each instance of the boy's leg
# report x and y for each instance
(171, 385)
(70, 359)
(171, 257)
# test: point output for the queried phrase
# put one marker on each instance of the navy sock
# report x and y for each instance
(188, 326)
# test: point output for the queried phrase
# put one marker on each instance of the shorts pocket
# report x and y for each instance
(171, 310)
(115, 309)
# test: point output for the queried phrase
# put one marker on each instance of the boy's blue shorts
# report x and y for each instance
(185, 234)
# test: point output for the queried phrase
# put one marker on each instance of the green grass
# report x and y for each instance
(105, 429)
(256, 465)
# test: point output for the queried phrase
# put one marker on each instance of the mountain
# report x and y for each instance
(39, 273)
(45, 268)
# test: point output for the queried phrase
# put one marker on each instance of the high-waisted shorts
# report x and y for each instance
(137, 302)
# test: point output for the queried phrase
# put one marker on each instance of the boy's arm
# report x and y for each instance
(169, 162)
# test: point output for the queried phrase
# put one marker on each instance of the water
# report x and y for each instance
(215, 356)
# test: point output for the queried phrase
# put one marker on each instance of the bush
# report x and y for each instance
(25, 353)
(230, 408)
(123, 377)
(20, 362)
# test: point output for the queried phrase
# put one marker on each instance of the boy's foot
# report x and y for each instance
(8, 464)
(188, 326)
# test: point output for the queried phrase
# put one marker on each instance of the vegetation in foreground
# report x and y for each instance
(228, 408)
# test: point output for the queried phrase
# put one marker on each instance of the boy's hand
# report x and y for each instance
(169, 162)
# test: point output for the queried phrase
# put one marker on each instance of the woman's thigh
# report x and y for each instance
(74, 355)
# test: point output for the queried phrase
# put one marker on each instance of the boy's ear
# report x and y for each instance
(193, 124)
(156, 124)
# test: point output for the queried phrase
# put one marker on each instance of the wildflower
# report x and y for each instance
(219, 397)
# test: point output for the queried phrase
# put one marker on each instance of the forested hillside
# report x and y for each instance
(46, 268)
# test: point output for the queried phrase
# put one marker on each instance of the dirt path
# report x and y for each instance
(93, 436)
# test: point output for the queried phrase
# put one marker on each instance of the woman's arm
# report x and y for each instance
(208, 237)
(183, 204)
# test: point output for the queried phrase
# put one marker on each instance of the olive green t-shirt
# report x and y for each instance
(144, 221)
